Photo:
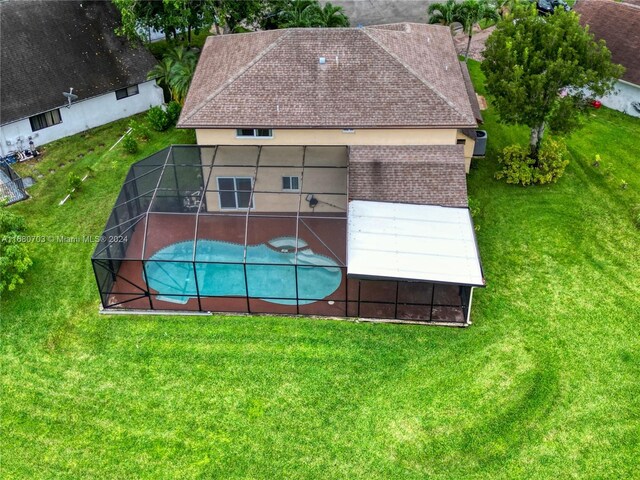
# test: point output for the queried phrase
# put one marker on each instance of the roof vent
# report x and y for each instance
(322, 60)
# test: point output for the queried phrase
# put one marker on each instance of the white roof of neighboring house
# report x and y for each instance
(412, 242)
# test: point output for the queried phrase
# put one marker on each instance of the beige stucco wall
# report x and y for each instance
(328, 185)
(468, 149)
(390, 136)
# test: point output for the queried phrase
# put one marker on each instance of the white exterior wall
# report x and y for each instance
(620, 99)
(83, 115)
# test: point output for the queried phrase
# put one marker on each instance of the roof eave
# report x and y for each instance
(326, 127)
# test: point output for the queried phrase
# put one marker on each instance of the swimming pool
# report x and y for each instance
(170, 272)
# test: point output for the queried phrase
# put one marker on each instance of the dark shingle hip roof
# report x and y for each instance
(47, 47)
(399, 75)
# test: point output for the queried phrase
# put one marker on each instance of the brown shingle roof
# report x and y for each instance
(471, 92)
(383, 76)
(619, 25)
(419, 174)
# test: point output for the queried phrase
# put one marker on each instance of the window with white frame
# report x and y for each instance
(235, 193)
(127, 92)
(46, 119)
(254, 133)
(291, 184)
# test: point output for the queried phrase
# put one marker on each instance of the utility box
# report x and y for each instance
(481, 143)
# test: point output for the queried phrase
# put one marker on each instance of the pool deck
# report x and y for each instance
(324, 236)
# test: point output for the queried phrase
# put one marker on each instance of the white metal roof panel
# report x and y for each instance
(412, 242)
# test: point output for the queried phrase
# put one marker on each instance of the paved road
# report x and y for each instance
(372, 12)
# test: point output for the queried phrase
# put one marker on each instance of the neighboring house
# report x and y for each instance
(618, 24)
(329, 179)
(49, 47)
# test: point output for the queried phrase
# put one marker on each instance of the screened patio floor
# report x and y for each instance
(184, 237)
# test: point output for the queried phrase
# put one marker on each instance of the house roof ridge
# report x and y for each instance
(416, 74)
(379, 25)
(286, 33)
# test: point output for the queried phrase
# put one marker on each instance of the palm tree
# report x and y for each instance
(162, 72)
(470, 12)
(174, 72)
(180, 54)
(332, 16)
(443, 13)
(180, 80)
(300, 13)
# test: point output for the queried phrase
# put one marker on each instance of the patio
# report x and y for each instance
(214, 229)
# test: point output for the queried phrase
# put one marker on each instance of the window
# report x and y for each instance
(291, 183)
(254, 132)
(461, 141)
(127, 92)
(235, 192)
(46, 119)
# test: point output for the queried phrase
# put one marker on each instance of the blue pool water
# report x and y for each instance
(170, 272)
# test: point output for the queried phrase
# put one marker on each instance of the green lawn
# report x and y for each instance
(545, 384)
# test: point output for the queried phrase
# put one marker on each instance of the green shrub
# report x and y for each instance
(139, 130)
(74, 182)
(516, 164)
(130, 144)
(173, 112)
(158, 119)
(519, 168)
(14, 256)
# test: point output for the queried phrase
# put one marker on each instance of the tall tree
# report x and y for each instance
(237, 16)
(138, 14)
(443, 13)
(162, 72)
(332, 16)
(188, 15)
(540, 72)
(468, 14)
(167, 16)
(175, 71)
(181, 77)
(300, 13)
(471, 12)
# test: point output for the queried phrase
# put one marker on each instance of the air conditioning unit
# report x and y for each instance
(480, 147)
